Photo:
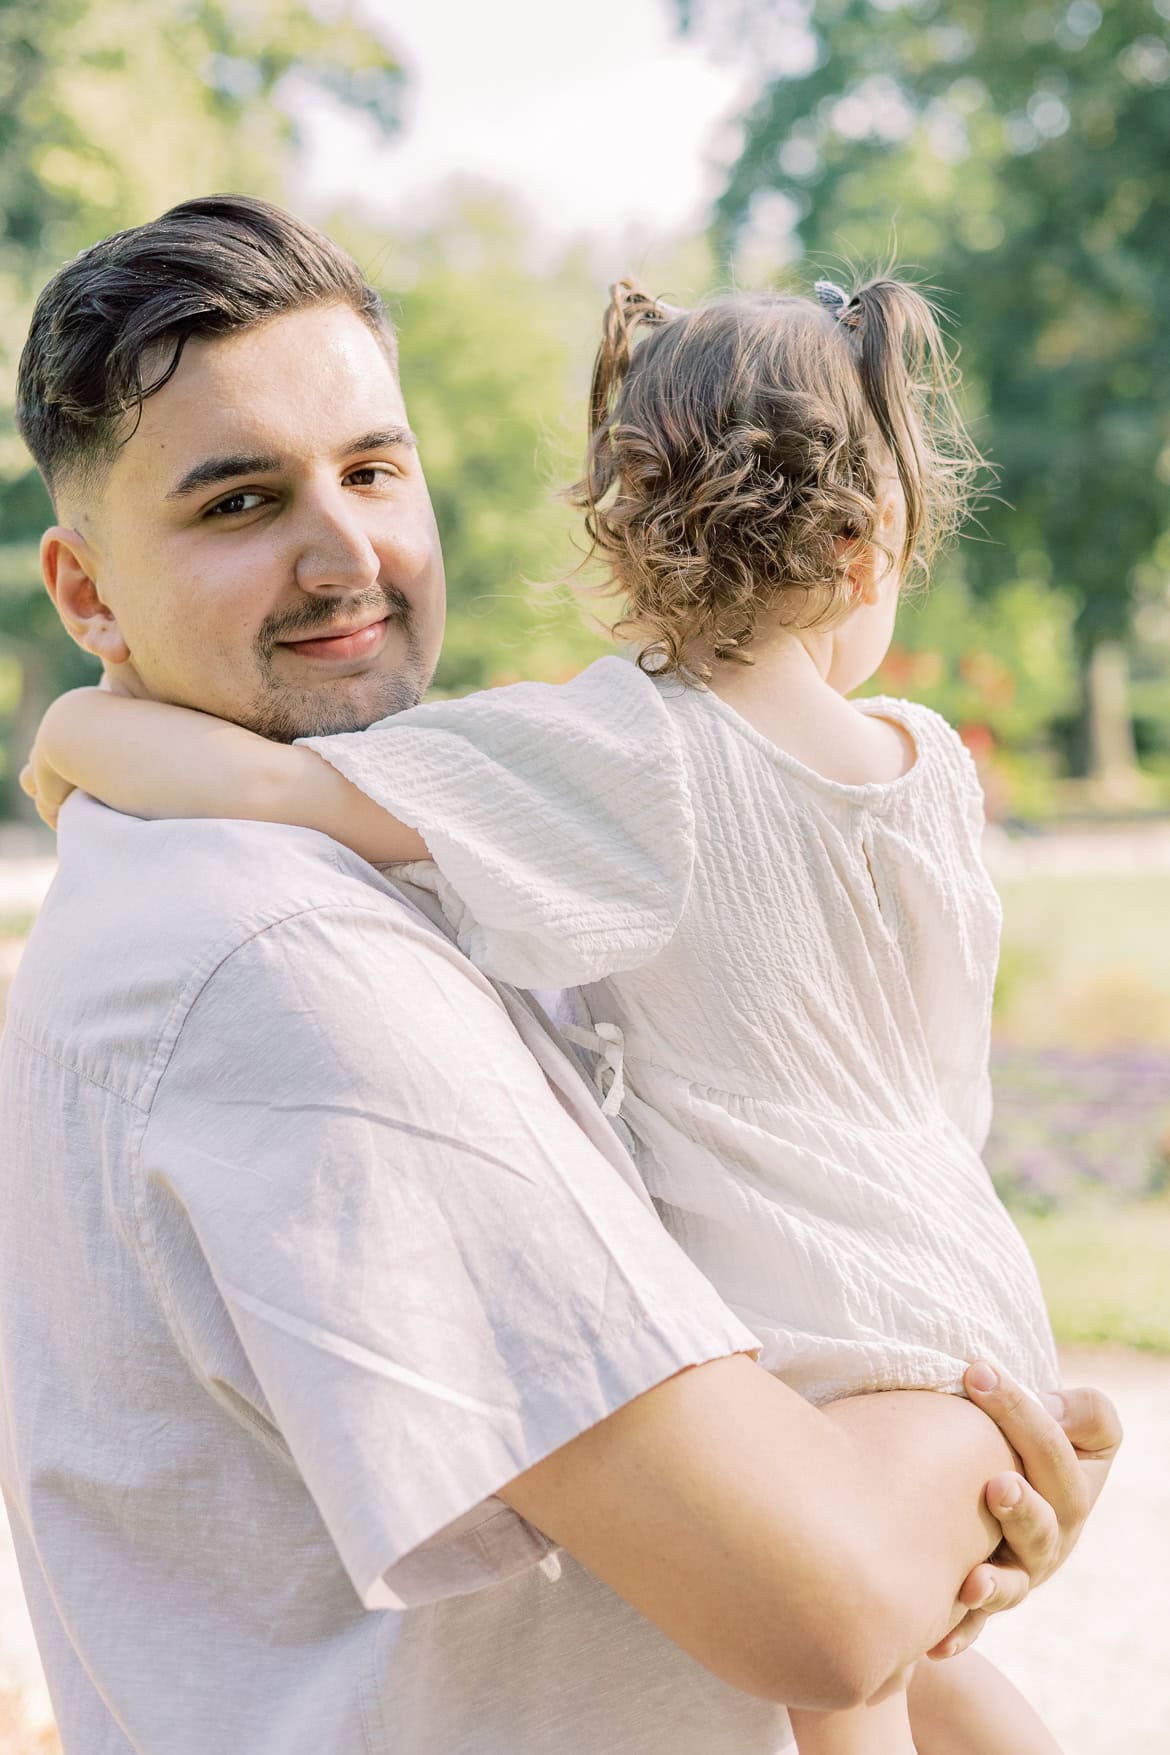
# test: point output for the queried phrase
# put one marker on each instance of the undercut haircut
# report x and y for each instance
(109, 329)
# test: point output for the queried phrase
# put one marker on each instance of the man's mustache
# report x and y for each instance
(318, 614)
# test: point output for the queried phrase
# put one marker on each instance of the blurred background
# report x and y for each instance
(493, 168)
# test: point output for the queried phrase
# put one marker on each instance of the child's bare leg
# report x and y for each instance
(961, 1706)
(864, 1730)
(965, 1706)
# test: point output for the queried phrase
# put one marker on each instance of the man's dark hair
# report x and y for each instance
(110, 327)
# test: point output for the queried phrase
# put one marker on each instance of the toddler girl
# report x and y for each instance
(771, 899)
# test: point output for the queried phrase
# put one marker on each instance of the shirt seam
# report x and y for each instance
(205, 972)
(68, 1066)
(189, 996)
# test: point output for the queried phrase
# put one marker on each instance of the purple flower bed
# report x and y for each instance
(1069, 1123)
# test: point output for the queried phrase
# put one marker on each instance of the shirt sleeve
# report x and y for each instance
(435, 1278)
(558, 819)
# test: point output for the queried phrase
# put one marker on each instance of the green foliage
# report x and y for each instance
(1022, 153)
(1006, 665)
(110, 112)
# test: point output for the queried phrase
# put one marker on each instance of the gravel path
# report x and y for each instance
(1091, 1650)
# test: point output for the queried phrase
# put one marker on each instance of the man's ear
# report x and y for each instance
(69, 569)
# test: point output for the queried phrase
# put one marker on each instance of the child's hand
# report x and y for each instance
(44, 785)
(123, 679)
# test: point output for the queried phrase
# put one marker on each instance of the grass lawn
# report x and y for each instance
(1086, 924)
(1105, 1272)
(1086, 968)
(1086, 961)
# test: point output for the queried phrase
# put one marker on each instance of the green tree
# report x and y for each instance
(110, 111)
(1022, 154)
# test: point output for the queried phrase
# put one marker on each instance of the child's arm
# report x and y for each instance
(153, 760)
(965, 1706)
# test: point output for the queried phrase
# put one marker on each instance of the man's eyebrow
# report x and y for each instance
(216, 469)
(381, 440)
(213, 470)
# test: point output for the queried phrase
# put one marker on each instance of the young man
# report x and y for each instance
(324, 1287)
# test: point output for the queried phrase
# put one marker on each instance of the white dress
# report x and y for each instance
(789, 981)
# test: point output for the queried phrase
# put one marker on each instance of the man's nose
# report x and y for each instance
(335, 552)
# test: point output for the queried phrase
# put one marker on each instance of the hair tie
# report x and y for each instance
(832, 297)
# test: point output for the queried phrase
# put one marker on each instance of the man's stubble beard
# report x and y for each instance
(282, 712)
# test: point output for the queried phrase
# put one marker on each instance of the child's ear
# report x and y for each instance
(861, 570)
(868, 562)
(69, 569)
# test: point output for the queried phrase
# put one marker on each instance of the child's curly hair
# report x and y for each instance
(737, 456)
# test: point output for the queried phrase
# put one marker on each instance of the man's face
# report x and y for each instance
(264, 540)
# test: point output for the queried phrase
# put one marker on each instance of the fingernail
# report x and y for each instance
(986, 1593)
(949, 1649)
(982, 1377)
(1010, 1497)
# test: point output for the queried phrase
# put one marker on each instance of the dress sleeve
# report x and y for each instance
(432, 1277)
(558, 818)
(964, 930)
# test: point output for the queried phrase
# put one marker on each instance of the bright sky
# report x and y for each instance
(592, 112)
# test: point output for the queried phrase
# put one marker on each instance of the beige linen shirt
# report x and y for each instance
(312, 1239)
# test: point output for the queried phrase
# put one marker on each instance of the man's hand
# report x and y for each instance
(1042, 1511)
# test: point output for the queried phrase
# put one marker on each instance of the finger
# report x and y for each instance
(1032, 1535)
(1048, 1459)
(992, 1587)
(978, 1586)
(52, 789)
(27, 781)
(960, 1637)
(1091, 1423)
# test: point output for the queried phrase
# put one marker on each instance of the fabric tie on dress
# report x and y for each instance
(608, 1043)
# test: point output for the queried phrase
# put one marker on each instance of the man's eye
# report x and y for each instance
(234, 504)
(367, 473)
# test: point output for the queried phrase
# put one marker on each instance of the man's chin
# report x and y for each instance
(349, 704)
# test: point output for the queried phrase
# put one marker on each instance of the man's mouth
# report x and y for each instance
(361, 641)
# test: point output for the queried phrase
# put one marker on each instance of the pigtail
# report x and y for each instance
(629, 308)
(909, 382)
